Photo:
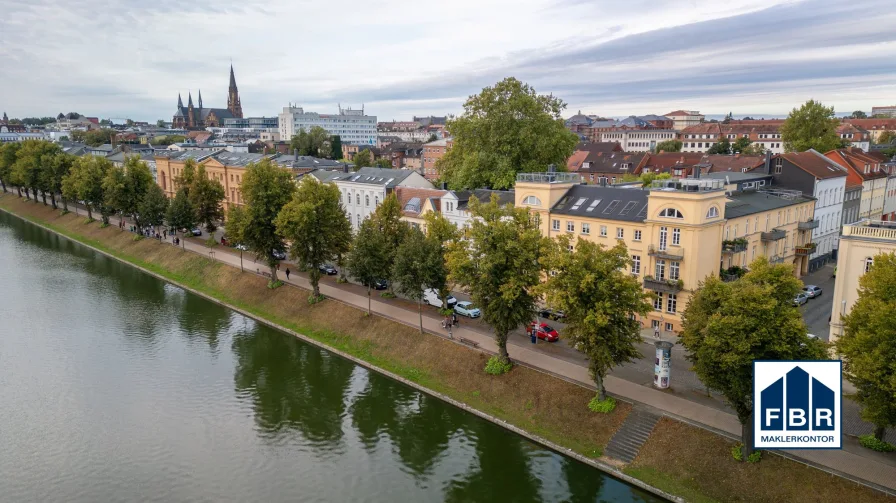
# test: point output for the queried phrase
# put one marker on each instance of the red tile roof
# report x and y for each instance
(873, 124)
(856, 159)
(735, 162)
(405, 194)
(679, 113)
(575, 160)
(702, 128)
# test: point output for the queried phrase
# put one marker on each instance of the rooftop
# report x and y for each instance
(871, 229)
(484, 196)
(815, 163)
(374, 176)
(548, 177)
(610, 203)
(688, 185)
(749, 202)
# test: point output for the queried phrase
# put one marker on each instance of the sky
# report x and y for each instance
(130, 59)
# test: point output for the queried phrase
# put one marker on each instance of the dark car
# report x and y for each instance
(380, 284)
(279, 255)
(327, 269)
(196, 232)
(552, 314)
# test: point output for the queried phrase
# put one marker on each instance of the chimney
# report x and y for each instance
(697, 172)
(296, 154)
(768, 162)
(345, 168)
(444, 185)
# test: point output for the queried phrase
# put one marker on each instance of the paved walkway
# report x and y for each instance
(841, 461)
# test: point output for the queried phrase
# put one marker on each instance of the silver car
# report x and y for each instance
(800, 299)
(466, 308)
(812, 291)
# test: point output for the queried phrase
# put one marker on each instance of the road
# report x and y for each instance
(817, 312)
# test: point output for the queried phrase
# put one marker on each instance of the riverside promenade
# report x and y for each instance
(871, 469)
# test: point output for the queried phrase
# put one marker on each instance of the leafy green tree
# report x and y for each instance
(366, 261)
(432, 137)
(419, 266)
(384, 163)
(315, 223)
(858, 114)
(160, 123)
(868, 344)
(728, 118)
(504, 130)
(498, 264)
(886, 138)
(266, 188)
(79, 136)
(311, 142)
(441, 231)
(728, 325)
(740, 145)
(601, 300)
(8, 153)
(27, 168)
(180, 214)
(153, 207)
(646, 178)
(363, 159)
(98, 137)
(335, 147)
(723, 146)
(387, 219)
(206, 195)
(85, 183)
(126, 186)
(668, 146)
(53, 169)
(812, 126)
(185, 179)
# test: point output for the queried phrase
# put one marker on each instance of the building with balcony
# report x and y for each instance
(678, 232)
(859, 244)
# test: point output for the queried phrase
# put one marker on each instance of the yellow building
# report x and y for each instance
(678, 232)
(859, 244)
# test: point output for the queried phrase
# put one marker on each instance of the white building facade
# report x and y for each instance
(638, 140)
(829, 214)
(364, 190)
(352, 126)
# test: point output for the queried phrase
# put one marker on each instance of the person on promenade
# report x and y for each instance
(287, 274)
(656, 331)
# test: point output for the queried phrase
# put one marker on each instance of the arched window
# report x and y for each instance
(164, 181)
(869, 261)
(671, 213)
(531, 201)
(713, 212)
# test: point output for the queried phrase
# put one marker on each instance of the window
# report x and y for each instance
(367, 200)
(555, 225)
(868, 263)
(660, 269)
(636, 264)
(531, 201)
(620, 233)
(747, 228)
(586, 228)
(658, 302)
(779, 165)
(579, 202)
(359, 218)
(603, 230)
(672, 303)
(570, 226)
(671, 213)
(663, 238)
(674, 268)
(358, 199)
(376, 200)
(668, 327)
(676, 236)
(713, 212)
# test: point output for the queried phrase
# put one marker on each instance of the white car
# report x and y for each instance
(466, 308)
(432, 298)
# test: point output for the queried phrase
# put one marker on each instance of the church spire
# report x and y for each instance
(233, 97)
(189, 100)
(180, 102)
(200, 98)
(5, 118)
(232, 79)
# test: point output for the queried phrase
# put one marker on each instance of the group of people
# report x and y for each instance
(145, 231)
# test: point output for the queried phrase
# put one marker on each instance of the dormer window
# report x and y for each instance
(671, 213)
(531, 201)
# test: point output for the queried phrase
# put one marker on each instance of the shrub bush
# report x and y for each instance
(737, 452)
(602, 406)
(387, 295)
(210, 242)
(871, 442)
(275, 284)
(496, 366)
(314, 299)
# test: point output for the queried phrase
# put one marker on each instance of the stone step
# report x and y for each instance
(636, 429)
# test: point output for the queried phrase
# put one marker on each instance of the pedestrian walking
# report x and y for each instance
(287, 274)
(164, 234)
(656, 331)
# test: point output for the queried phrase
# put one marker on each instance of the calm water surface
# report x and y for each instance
(115, 386)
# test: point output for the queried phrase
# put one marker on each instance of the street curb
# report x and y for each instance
(600, 465)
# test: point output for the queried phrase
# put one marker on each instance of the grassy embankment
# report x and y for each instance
(678, 458)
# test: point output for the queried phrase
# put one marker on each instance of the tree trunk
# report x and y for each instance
(89, 213)
(53, 200)
(3, 184)
(601, 390)
(273, 265)
(43, 195)
(746, 436)
(64, 204)
(314, 277)
(368, 300)
(420, 312)
(19, 190)
(501, 339)
(879, 432)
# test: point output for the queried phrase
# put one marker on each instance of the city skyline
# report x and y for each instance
(748, 57)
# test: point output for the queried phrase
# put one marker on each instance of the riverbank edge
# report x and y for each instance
(595, 463)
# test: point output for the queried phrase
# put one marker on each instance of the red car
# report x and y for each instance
(543, 331)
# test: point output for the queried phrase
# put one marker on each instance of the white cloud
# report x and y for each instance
(131, 58)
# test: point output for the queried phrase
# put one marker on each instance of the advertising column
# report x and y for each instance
(663, 364)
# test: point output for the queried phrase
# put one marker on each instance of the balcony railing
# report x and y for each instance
(549, 177)
(805, 250)
(774, 235)
(808, 225)
(734, 245)
(663, 285)
(673, 253)
(776, 259)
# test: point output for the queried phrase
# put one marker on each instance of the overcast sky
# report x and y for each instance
(126, 58)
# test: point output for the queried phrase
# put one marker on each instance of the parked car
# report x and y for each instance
(812, 291)
(543, 331)
(327, 269)
(279, 255)
(466, 308)
(800, 299)
(196, 231)
(552, 314)
(432, 298)
(242, 247)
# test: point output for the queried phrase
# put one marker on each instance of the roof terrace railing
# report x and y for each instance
(688, 185)
(548, 177)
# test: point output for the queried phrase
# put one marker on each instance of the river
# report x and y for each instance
(116, 386)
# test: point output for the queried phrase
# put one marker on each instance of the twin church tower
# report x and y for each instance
(190, 117)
